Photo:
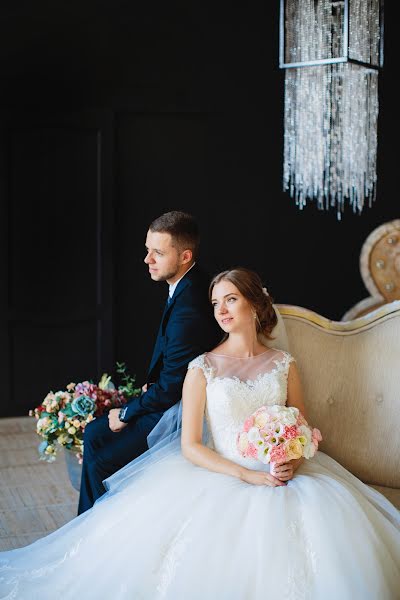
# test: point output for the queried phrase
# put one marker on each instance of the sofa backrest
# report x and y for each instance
(351, 376)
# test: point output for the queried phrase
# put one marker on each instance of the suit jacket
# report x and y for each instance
(187, 329)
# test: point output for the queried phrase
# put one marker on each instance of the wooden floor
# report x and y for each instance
(36, 497)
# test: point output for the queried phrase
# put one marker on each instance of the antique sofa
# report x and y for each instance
(351, 376)
(379, 269)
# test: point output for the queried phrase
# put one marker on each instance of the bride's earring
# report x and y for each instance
(255, 315)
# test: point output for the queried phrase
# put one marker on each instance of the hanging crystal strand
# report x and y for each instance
(331, 111)
(364, 31)
(306, 137)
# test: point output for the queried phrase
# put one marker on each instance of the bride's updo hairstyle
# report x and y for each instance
(250, 286)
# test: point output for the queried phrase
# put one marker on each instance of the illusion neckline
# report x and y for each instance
(241, 357)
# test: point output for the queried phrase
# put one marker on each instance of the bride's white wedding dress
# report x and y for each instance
(174, 530)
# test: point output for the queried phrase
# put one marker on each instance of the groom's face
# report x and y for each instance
(163, 259)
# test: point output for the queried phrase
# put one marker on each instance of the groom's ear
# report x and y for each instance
(186, 256)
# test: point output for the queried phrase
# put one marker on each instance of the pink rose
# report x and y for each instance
(316, 436)
(248, 424)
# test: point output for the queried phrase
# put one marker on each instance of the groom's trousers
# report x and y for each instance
(105, 452)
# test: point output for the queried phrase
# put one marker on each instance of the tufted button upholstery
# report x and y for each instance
(351, 377)
(380, 269)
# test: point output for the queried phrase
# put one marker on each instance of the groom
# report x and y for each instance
(187, 329)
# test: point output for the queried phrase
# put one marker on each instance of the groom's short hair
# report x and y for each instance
(182, 228)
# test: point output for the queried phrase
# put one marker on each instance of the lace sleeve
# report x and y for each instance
(289, 359)
(285, 362)
(200, 363)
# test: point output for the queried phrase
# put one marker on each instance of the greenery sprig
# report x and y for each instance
(128, 387)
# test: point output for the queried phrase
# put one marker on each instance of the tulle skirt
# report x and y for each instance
(176, 531)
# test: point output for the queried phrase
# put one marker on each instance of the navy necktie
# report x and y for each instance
(169, 300)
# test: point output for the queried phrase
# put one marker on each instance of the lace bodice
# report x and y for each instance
(236, 387)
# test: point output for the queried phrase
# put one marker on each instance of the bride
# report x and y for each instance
(195, 520)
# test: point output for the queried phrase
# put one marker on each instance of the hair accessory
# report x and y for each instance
(265, 291)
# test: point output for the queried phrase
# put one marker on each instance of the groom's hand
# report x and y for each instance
(145, 387)
(113, 420)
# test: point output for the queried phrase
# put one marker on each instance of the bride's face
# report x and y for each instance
(231, 309)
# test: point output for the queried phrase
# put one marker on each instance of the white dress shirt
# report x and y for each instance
(172, 286)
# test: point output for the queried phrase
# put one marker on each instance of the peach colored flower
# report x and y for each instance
(294, 449)
(260, 420)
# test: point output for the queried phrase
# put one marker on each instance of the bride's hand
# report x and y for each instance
(286, 471)
(260, 478)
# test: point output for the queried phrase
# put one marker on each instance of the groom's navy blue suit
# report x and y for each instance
(187, 329)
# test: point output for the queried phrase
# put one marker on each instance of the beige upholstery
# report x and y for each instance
(351, 376)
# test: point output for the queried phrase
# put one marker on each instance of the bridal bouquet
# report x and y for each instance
(63, 415)
(276, 434)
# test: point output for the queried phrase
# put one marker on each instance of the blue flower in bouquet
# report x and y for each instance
(62, 416)
(83, 405)
(42, 447)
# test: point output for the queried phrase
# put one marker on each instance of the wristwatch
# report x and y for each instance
(122, 413)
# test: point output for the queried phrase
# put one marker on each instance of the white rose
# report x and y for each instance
(42, 423)
(287, 415)
(243, 442)
(253, 435)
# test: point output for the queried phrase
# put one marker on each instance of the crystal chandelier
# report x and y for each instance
(332, 52)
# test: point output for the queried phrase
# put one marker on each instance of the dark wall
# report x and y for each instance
(172, 106)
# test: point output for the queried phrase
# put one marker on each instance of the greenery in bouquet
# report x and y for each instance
(63, 415)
